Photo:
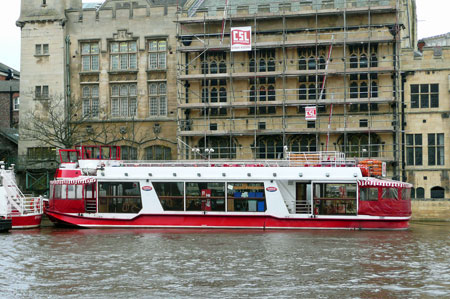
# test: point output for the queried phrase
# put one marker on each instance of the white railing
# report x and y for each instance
(17, 203)
(319, 159)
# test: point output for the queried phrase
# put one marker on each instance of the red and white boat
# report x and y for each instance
(24, 211)
(320, 190)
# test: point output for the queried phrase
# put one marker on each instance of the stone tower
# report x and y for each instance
(43, 58)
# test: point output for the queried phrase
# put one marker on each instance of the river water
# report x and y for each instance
(88, 263)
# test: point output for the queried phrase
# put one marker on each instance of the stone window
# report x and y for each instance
(361, 57)
(311, 89)
(41, 92)
(90, 101)
(424, 95)
(213, 63)
(269, 147)
(157, 56)
(311, 58)
(128, 153)
(214, 91)
(414, 149)
(363, 86)
(158, 152)
(262, 90)
(436, 149)
(262, 61)
(41, 49)
(90, 56)
(158, 98)
(123, 100)
(123, 55)
(41, 153)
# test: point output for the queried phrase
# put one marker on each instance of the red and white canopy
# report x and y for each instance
(73, 181)
(374, 182)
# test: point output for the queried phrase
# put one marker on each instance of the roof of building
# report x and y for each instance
(10, 85)
(101, 3)
(10, 134)
(4, 69)
(444, 35)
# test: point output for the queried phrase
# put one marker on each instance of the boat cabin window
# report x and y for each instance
(334, 199)
(368, 194)
(119, 197)
(389, 193)
(246, 197)
(205, 196)
(171, 195)
(406, 194)
(74, 191)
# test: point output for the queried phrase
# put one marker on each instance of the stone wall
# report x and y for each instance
(430, 210)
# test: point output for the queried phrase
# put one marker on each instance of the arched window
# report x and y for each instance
(363, 61)
(213, 67)
(322, 63)
(413, 193)
(305, 143)
(302, 63)
(302, 92)
(223, 147)
(262, 94)
(363, 91)
(262, 65)
(420, 192)
(353, 61)
(358, 145)
(158, 152)
(312, 92)
(252, 67)
(213, 97)
(269, 147)
(373, 60)
(252, 94)
(222, 67)
(312, 63)
(437, 192)
(271, 92)
(222, 95)
(128, 153)
(354, 90)
(374, 89)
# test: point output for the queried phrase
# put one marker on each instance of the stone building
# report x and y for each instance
(159, 79)
(426, 114)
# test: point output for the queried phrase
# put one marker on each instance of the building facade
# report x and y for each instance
(426, 137)
(341, 58)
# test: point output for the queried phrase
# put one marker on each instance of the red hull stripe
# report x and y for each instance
(229, 221)
(28, 221)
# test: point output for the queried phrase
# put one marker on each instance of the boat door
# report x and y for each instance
(303, 198)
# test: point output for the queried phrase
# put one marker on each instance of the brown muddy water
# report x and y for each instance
(88, 263)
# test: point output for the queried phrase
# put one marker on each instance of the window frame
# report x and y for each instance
(117, 54)
(160, 54)
(157, 102)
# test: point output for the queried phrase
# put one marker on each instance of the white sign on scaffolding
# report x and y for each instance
(310, 113)
(241, 39)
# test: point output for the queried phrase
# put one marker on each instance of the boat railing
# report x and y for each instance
(319, 159)
(292, 159)
(18, 203)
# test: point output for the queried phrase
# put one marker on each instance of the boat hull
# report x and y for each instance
(26, 221)
(229, 222)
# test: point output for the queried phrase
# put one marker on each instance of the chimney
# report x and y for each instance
(420, 45)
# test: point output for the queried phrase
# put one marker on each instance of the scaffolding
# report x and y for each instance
(243, 96)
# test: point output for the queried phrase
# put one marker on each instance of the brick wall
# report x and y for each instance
(5, 104)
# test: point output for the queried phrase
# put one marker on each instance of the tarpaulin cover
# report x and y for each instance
(385, 206)
(73, 181)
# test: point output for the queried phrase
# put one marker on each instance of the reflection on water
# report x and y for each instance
(51, 262)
